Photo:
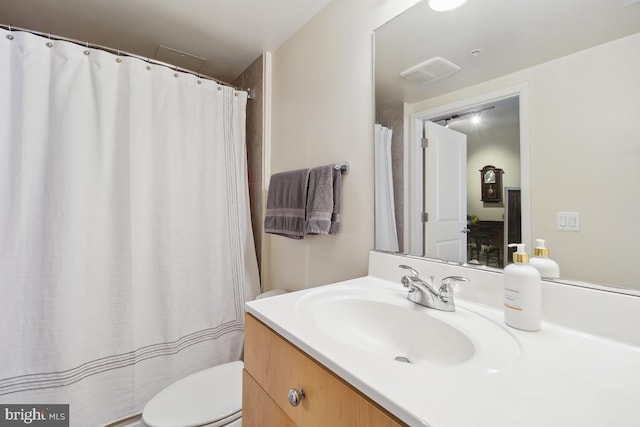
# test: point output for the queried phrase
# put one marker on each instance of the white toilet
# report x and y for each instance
(208, 398)
(211, 397)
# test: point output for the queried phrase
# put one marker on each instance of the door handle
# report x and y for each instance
(465, 230)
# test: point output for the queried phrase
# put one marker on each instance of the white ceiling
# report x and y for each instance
(230, 34)
(512, 35)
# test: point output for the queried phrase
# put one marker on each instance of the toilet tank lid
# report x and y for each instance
(200, 398)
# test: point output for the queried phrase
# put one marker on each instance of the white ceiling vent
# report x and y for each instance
(429, 70)
(180, 58)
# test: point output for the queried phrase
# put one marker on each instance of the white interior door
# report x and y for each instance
(445, 186)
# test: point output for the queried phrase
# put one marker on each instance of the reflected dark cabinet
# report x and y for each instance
(491, 181)
(485, 243)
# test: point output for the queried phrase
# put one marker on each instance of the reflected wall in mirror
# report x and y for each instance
(577, 117)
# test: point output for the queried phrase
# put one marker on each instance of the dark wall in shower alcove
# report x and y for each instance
(253, 77)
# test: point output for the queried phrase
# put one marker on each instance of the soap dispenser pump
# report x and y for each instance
(547, 267)
(522, 293)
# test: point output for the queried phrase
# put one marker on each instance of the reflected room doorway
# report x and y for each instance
(494, 131)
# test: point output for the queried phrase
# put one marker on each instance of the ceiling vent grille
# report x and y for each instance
(430, 70)
(180, 58)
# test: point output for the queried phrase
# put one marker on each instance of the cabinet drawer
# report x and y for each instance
(261, 410)
(277, 366)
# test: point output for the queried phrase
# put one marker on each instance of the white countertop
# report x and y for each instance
(560, 377)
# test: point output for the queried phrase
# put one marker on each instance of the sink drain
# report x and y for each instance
(402, 359)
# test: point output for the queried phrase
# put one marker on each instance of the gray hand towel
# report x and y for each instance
(320, 200)
(286, 203)
(337, 202)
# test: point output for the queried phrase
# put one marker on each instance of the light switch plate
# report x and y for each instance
(568, 221)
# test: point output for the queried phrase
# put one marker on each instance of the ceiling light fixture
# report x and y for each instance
(475, 116)
(444, 5)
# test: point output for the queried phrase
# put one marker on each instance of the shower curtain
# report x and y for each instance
(126, 251)
(386, 236)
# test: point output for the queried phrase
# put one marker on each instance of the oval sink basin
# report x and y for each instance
(384, 324)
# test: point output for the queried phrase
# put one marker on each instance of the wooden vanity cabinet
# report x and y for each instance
(273, 366)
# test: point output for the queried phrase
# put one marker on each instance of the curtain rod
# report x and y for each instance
(50, 36)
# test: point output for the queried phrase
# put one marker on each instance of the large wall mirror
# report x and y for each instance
(505, 121)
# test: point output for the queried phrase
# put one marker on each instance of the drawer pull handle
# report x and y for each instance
(295, 396)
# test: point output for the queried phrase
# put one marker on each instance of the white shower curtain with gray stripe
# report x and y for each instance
(386, 236)
(126, 252)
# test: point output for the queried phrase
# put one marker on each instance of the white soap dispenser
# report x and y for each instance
(547, 267)
(522, 294)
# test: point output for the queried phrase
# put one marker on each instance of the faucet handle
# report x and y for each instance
(449, 279)
(406, 282)
(414, 273)
(446, 291)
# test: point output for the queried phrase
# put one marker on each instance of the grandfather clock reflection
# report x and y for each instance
(491, 181)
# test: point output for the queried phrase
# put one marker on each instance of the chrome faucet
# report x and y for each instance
(422, 292)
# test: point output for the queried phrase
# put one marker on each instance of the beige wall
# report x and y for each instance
(322, 112)
(584, 128)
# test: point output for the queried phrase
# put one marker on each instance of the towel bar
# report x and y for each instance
(343, 167)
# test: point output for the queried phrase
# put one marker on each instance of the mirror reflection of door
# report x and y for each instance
(493, 139)
(445, 193)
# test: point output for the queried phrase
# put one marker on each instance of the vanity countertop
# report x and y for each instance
(558, 376)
